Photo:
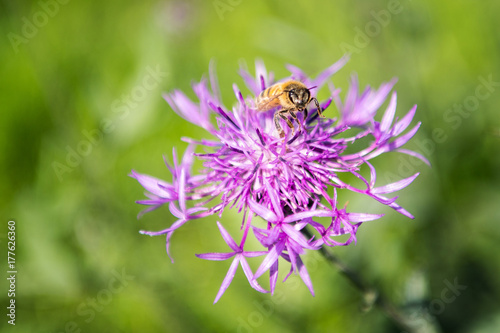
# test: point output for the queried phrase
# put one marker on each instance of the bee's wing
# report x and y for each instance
(268, 103)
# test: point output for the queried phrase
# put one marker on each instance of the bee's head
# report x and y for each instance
(299, 97)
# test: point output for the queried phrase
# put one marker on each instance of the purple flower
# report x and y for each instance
(286, 183)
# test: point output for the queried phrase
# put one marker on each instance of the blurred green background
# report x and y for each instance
(75, 119)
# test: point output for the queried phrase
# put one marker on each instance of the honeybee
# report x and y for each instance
(293, 96)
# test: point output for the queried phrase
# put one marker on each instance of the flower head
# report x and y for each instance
(287, 183)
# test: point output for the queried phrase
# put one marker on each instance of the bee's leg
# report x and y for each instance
(294, 116)
(305, 115)
(319, 107)
(282, 114)
(277, 124)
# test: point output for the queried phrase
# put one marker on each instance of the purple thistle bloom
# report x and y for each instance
(286, 183)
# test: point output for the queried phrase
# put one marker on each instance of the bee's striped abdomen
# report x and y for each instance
(269, 98)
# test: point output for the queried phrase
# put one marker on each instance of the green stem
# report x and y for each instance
(373, 297)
